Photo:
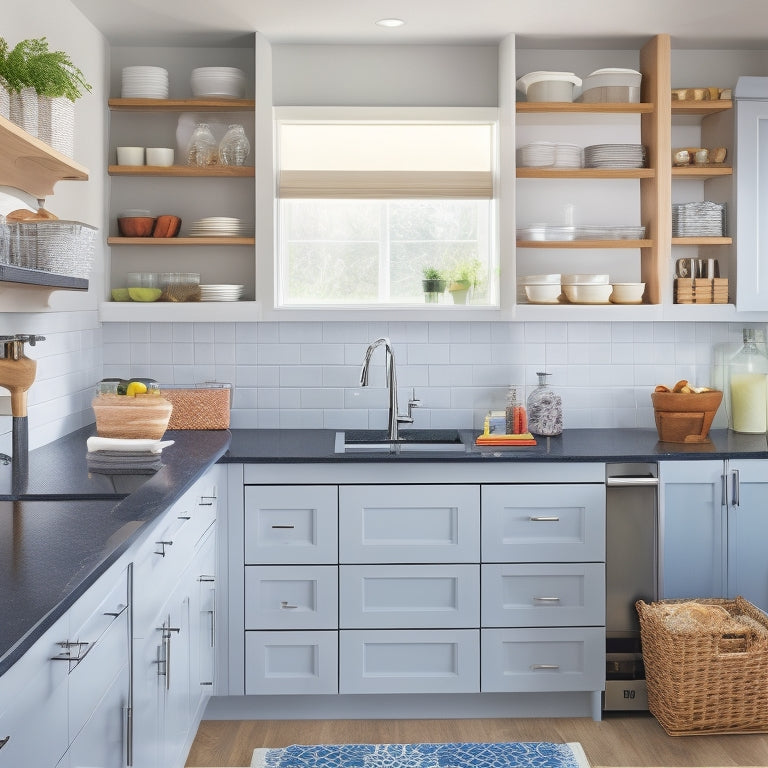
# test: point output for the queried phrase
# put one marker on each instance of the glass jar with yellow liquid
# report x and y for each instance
(747, 387)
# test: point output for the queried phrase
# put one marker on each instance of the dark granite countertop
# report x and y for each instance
(68, 526)
(61, 527)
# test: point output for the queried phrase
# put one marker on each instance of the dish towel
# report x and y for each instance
(124, 462)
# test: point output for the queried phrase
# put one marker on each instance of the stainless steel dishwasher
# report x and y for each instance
(631, 573)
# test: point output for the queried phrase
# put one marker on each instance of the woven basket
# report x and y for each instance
(143, 417)
(56, 123)
(198, 407)
(710, 677)
(53, 245)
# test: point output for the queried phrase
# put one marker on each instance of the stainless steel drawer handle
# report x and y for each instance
(4, 741)
(81, 650)
(204, 577)
(285, 606)
(546, 599)
(545, 666)
(287, 527)
(162, 545)
(553, 519)
(117, 612)
(207, 501)
(184, 517)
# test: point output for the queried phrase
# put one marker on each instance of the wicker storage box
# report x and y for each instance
(53, 245)
(707, 671)
(199, 407)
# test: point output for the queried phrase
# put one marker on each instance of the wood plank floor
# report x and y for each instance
(620, 740)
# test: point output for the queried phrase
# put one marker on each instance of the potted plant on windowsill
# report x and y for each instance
(433, 283)
(463, 278)
(43, 86)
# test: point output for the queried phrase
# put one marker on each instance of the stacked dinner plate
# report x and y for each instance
(545, 154)
(221, 292)
(145, 83)
(698, 219)
(218, 82)
(614, 156)
(567, 156)
(220, 226)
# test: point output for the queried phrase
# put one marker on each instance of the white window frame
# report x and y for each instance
(382, 311)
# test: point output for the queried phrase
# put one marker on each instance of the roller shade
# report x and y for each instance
(386, 160)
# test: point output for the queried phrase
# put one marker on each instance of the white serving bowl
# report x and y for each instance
(585, 279)
(546, 293)
(226, 82)
(592, 293)
(627, 293)
(540, 280)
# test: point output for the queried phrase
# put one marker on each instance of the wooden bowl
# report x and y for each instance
(166, 226)
(143, 417)
(685, 418)
(136, 226)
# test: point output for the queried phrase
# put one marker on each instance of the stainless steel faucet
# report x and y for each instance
(395, 419)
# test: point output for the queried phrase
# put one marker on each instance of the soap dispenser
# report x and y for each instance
(545, 409)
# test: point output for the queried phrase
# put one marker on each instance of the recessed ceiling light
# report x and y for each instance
(390, 22)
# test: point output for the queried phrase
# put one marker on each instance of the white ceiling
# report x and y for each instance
(722, 24)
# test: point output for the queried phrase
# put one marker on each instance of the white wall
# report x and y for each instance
(69, 361)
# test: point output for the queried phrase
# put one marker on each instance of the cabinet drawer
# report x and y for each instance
(402, 661)
(291, 596)
(543, 595)
(409, 524)
(537, 660)
(409, 596)
(291, 662)
(534, 523)
(291, 524)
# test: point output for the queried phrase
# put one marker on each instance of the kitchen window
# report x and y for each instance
(367, 199)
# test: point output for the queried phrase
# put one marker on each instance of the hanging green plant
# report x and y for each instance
(31, 64)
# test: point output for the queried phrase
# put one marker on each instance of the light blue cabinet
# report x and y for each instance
(714, 522)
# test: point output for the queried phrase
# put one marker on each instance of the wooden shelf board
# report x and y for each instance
(585, 173)
(32, 166)
(575, 106)
(182, 105)
(584, 243)
(702, 171)
(179, 241)
(184, 171)
(701, 107)
(39, 277)
(702, 241)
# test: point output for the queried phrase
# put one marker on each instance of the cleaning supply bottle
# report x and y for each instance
(545, 409)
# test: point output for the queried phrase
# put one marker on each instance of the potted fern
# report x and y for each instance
(43, 86)
(463, 278)
(433, 284)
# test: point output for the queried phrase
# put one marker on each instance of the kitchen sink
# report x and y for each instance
(410, 440)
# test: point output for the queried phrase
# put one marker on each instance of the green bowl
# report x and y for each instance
(144, 294)
(120, 294)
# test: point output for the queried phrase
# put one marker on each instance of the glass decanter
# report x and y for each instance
(234, 147)
(747, 387)
(545, 409)
(201, 150)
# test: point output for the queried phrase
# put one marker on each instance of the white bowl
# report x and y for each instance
(627, 293)
(588, 294)
(130, 155)
(540, 280)
(585, 279)
(159, 156)
(548, 293)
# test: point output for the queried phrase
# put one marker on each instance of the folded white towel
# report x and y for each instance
(119, 444)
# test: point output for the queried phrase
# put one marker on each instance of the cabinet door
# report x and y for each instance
(295, 524)
(543, 594)
(543, 523)
(748, 531)
(693, 529)
(203, 624)
(148, 699)
(409, 524)
(409, 596)
(409, 661)
(752, 197)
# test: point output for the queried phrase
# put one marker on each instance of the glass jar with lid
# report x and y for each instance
(545, 409)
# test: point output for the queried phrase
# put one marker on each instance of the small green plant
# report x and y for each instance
(467, 272)
(432, 273)
(30, 64)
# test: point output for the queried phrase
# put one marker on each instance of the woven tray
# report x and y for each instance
(198, 407)
(710, 677)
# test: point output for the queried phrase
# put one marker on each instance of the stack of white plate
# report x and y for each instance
(614, 156)
(567, 156)
(537, 154)
(221, 292)
(220, 226)
(698, 219)
(145, 83)
(218, 82)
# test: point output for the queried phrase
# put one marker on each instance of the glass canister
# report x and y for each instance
(202, 149)
(234, 147)
(545, 409)
(747, 387)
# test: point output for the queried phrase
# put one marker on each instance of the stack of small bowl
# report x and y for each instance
(587, 289)
(542, 289)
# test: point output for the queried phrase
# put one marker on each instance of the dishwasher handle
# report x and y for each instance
(629, 481)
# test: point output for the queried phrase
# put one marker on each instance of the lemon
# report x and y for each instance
(136, 388)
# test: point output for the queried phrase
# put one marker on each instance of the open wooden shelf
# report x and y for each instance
(702, 241)
(584, 243)
(575, 106)
(182, 105)
(701, 107)
(701, 171)
(585, 173)
(184, 171)
(165, 242)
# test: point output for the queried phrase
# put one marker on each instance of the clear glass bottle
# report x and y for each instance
(747, 387)
(202, 148)
(234, 147)
(509, 410)
(545, 409)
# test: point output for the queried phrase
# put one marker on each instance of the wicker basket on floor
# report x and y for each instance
(711, 677)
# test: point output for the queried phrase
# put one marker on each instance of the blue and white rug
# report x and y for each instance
(537, 754)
